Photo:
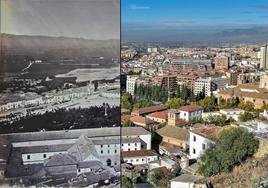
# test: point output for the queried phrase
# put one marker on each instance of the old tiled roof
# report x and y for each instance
(130, 140)
(149, 109)
(171, 148)
(125, 117)
(83, 148)
(190, 108)
(60, 160)
(246, 90)
(62, 134)
(160, 115)
(209, 132)
(134, 131)
(141, 120)
(174, 132)
(138, 153)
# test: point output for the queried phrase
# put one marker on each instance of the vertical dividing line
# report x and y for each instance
(120, 40)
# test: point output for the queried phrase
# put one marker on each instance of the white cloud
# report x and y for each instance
(136, 7)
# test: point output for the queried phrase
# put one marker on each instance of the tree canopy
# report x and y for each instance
(232, 147)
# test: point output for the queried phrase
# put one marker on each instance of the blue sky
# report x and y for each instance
(156, 15)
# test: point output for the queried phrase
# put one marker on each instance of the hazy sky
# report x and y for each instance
(144, 18)
(91, 19)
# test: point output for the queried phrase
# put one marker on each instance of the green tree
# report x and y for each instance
(232, 147)
(219, 120)
(246, 116)
(248, 106)
(126, 182)
(208, 104)
(159, 179)
(175, 103)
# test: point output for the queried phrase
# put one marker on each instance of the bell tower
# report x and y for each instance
(173, 116)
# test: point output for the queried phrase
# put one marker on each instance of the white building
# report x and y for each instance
(190, 112)
(201, 139)
(255, 126)
(210, 84)
(130, 144)
(135, 137)
(232, 113)
(131, 82)
(184, 181)
(142, 157)
(204, 85)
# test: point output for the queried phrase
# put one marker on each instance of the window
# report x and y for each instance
(115, 151)
(101, 146)
(122, 144)
(204, 146)
(115, 163)
(101, 151)
(79, 170)
(45, 155)
(135, 144)
(128, 149)
(28, 156)
(193, 151)
(108, 151)
(137, 160)
(194, 138)
(108, 145)
(142, 159)
(128, 144)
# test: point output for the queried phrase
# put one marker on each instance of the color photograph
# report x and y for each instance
(60, 93)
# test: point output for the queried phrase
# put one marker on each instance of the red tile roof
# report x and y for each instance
(125, 117)
(150, 109)
(190, 108)
(160, 115)
(141, 120)
(138, 153)
(210, 132)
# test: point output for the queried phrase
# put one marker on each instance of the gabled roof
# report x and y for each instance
(134, 131)
(190, 108)
(160, 115)
(138, 153)
(174, 132)
(209, 132)
(141, 120)
(60, 160)
(83, 148)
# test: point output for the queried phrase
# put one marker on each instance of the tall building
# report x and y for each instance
(264, 57)
(210, 84)
(169, 81)
(131, 81)
(251, 77)
(221, 63)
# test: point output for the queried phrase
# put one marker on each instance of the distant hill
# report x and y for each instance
(58, 54)
(30, 44)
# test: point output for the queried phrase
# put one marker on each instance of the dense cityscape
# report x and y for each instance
(204, 111)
